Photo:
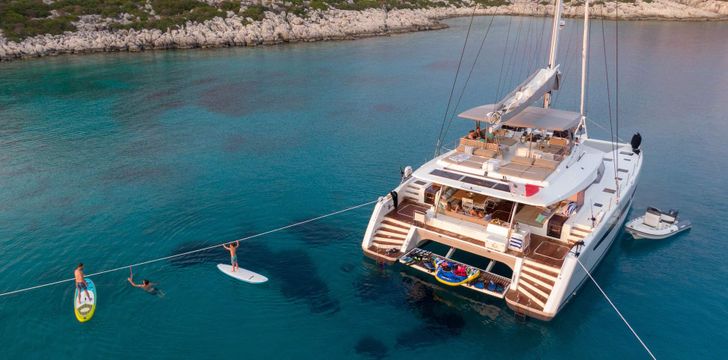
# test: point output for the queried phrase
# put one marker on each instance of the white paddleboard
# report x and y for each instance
(242, 274)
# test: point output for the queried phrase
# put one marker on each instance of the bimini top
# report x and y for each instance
(531, 117)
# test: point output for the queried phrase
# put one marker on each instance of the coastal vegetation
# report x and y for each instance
(20, 19)
(36, 28)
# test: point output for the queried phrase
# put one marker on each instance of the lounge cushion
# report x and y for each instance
(522, 160)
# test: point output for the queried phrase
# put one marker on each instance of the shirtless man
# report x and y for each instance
(145, 285)
(81, 282)
(233, 248)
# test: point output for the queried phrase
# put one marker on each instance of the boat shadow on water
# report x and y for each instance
(442, 311)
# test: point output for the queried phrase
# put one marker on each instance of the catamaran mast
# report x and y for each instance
(584, 68)
(584, 62)
(554, 46)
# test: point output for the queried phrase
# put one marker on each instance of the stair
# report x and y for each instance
(391, 233)
(388, 239)
(578, 232)
(535, 283)
(413, 190)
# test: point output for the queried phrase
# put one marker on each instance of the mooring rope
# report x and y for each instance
(617, 310)
(191, 251)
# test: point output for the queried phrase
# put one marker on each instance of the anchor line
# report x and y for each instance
(617, 311)
(192, 251)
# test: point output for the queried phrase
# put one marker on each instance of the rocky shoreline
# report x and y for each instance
(332, 24)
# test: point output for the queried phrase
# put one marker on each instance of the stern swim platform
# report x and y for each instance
(483, 281)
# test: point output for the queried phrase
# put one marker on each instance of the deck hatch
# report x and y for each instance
(610, 191)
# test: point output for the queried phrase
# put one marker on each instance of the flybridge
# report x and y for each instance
(530, 117)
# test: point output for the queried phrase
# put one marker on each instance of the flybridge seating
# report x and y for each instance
(529, 146)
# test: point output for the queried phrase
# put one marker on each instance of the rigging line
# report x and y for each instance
(454, 82)
(503, 62)
(470, 73)
(192, 251)
(509, 62)
(568, 66)
(511, 69)
(540, 51)
(609, 94)
(527, 50)
(616, 92)
(532, 64)
(617, 310)
(601, 127)
(522, 56)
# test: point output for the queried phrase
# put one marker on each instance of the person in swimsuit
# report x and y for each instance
(145, 285)
(81, 282)
(233, 248)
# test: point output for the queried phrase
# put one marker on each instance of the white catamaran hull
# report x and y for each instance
(594, 254)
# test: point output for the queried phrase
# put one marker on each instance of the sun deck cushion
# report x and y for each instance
(546, 163)
(536, 173)
(512, 169)
(520, 160)
(486, 153)
(508, 171)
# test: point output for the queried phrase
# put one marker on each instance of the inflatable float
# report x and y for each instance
(449, 277)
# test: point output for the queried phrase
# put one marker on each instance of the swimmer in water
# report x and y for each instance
(146, 285)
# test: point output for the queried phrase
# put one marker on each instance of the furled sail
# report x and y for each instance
(538, 84)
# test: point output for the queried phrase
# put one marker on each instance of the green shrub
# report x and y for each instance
(233, 6)
(489, 3)
(255, 12)
(318, 5)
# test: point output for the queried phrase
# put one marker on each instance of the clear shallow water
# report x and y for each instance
(112, 159)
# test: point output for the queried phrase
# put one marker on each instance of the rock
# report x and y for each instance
(323, 25)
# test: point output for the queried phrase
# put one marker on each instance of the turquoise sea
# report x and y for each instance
(112, 159)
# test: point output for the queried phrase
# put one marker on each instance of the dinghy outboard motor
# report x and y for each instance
(636, 142)
(405, 173)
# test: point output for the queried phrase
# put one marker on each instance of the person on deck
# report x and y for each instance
(233, 248)
(81, 282)
(471, 135)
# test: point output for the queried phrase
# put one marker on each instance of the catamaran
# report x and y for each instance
(531, 193)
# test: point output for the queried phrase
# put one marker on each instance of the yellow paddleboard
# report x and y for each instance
(85, 307)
